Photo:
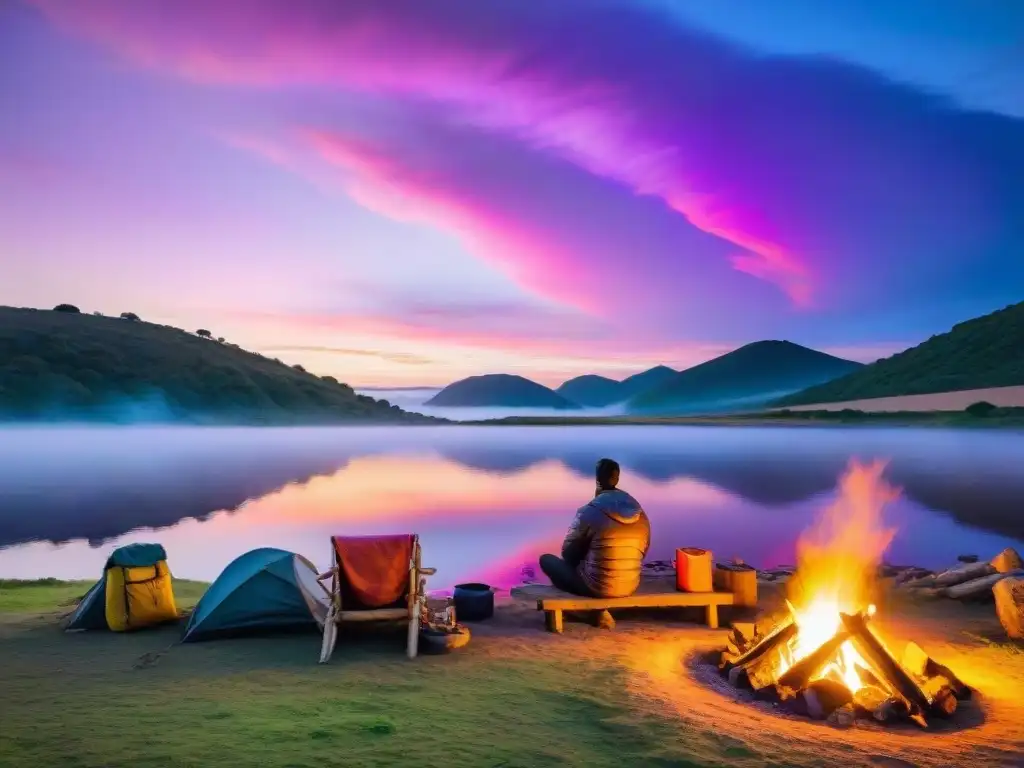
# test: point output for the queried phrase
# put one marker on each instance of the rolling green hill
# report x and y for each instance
(68, 366)
(647, 380)
(591, 391)
(499, 390)
(745, 378)
(987, 351)
(594, 391)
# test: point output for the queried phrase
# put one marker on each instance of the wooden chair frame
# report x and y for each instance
(416, 600)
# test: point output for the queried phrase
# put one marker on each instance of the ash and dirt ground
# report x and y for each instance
(516, 696)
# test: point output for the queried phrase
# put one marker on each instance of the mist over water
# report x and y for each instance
(486, 501)
(415, 400)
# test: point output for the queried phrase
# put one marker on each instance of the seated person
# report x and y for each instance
(606, 543)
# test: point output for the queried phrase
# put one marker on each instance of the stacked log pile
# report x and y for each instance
(967, 580)
(915, 687)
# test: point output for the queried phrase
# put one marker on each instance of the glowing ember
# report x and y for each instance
(837, 560)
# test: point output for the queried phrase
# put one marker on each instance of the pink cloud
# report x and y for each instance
(381, 181)
(481, 60)
(833, 185)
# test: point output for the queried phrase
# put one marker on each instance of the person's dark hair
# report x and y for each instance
(607, 474)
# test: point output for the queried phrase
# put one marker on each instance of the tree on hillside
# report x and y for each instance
(299, 368)
(220, 339)
(204, 333)
(129, 316)
(67, 308)
(981, 409)
(98, 314)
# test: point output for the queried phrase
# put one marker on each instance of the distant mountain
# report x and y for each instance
(745, 378)
(599, 391)
(647, 380)
(987, 351)
(499, 390)
(592, 391)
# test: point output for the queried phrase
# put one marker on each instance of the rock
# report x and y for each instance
(738, 677)
(967, 558)
(844, 716)
(1009, 595)
(442, 639)
(825, 696)
(868, 699)
(1007, 560)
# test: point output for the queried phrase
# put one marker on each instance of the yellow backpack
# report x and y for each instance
(139, 596)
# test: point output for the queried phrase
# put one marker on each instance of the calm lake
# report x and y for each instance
(486, 501)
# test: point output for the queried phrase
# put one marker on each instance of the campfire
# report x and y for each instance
(822, 656)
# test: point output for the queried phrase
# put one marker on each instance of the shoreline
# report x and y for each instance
(1000, 418)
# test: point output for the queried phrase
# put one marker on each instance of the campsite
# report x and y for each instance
(516, 696)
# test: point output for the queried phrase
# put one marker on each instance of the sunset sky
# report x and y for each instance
(405, 192)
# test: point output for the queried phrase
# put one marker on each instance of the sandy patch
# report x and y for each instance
(1004, 397)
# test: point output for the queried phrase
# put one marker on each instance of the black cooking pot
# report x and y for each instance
(473, 602)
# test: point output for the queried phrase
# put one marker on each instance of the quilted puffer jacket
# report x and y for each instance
(607, 542)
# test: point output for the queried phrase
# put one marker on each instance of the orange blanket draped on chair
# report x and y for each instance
(374, 570)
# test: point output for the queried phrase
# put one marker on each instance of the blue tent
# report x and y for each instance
(91, 612)
(263, 589)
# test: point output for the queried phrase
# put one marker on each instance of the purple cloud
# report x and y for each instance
(847, 192)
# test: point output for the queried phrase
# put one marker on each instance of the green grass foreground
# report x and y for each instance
(140, 699)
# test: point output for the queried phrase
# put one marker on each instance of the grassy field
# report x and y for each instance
(516, 697)
(100, 699)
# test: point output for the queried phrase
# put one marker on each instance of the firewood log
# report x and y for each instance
(744, 630)
(798, 676)
(976, 587)
(1009, 597)
(913, 575)
(914, 659)
(1007, 560)
(764, 671)
(892, 709)
(963, 573)
(782, 633)
(941, 697)
(920, 582)
(923, 667)
(869, 698)
(885, 665)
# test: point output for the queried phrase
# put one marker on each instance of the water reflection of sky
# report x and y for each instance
(485, 502)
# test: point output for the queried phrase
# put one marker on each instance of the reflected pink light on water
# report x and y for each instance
(475, 525)
(386, 489)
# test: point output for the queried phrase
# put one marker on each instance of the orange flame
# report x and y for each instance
(837, 560)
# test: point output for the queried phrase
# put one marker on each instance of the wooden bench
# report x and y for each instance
(653, 593)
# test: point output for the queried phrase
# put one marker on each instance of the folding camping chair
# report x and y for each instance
(375, 578)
